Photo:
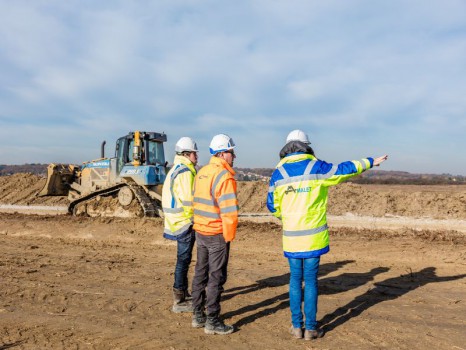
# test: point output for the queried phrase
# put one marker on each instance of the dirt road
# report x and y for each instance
(84, 283)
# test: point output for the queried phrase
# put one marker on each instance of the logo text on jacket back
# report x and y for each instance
(298, 190)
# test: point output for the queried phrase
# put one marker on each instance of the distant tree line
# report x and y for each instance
(263, 174)
(33, 168)
(405, 178)
(253, 174)
(369, 177)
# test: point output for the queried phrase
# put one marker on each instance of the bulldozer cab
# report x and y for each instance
(145, 150)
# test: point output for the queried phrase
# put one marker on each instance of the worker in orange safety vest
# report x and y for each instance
(215, 206)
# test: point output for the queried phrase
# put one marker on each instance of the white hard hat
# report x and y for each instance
(298, 135)
(185, 144)
(221, 143)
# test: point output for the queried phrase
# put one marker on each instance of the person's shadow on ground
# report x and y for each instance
(389, 289)
(357, 279)
(348, 281)
(278, 281)
(11, 345)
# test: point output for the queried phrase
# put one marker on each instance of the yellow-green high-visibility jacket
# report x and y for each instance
(177, 198)
(298, 196)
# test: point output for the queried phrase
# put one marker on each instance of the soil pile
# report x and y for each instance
(438, 202)
(22, 188)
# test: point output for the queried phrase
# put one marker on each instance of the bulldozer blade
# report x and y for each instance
(59, 179)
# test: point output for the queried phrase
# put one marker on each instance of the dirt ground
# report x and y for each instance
(105, 283)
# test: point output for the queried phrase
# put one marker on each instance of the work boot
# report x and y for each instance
(215, 326)
(296, 332)
(187, 296)
(180, 304)
(199, 318)
(313, 334)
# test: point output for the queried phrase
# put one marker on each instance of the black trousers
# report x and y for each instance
(210, 273)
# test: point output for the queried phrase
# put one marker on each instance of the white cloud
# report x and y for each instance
(255, 69)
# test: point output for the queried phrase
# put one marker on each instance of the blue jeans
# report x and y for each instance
(183, 259)
(303, 270)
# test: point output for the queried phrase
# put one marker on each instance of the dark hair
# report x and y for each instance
(296, 147)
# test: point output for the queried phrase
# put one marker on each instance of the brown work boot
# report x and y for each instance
(180, 304)
(296, 332)
(313, 334)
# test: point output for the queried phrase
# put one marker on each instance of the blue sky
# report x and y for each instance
(362, 78)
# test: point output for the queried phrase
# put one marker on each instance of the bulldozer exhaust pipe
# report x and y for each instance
(102, 149)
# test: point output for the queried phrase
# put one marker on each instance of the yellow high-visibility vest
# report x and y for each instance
(177, 198)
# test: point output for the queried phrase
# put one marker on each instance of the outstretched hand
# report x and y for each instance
(380, 160)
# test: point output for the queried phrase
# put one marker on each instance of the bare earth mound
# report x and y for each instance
(23, 188)
(438, 202)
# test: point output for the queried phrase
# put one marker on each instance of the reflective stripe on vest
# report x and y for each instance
(172, 210)
(211, 201)
(177, 232)
(307, 177)
(183, 168)
(206, 214)
(204, 201)
(363, 163)
(214, 186)
(311, 231)
(226, 197)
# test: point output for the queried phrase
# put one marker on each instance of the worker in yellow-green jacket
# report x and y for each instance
(177, 206)
(298, 197)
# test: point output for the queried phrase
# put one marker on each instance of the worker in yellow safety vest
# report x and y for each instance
(215, 221)
(177, 206)
(298, 197)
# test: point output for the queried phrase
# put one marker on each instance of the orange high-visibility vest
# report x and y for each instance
(215, 202)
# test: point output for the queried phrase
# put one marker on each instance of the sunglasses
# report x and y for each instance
(230, 151)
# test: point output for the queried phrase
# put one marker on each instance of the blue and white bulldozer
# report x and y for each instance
(131, 180)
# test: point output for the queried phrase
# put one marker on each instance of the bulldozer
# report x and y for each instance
(128, 184)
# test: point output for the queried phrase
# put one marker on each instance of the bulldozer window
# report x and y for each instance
(120, 154)
(156, 154)
(130, 151)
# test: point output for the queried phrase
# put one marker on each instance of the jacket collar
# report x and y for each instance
(185, 161)
(295, 157)
(221, 162)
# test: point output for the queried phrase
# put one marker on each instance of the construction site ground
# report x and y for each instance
(105, 283)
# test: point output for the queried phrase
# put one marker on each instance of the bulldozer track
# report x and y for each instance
(148, 206)
(101, 192)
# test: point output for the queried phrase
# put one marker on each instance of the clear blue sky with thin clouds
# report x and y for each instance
(362, 78)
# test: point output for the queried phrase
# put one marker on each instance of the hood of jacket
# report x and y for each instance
(295, 147)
